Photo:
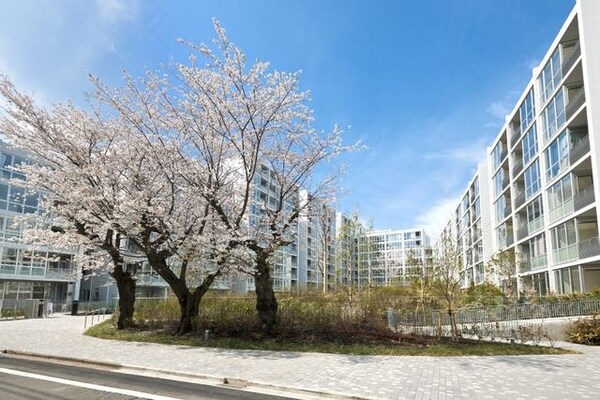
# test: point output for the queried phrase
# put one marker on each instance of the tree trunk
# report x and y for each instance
(126, 288)
(189, 306)
(266, 303)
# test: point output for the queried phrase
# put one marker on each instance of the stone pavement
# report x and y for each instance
(370, 377)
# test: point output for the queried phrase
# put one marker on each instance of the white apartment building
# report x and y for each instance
(543, 168)
(26, 272)
(384, 256)
(470, 228)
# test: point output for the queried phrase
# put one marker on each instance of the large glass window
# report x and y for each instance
(564, 235)
(537, 246)
(500, 206)
(553, 116)
(527, 111)
(534, 214)
(551, 76)
(557, 155)
(498, 154)
(568, 280)
(530, 145)
(560, 192)
(532, 179)
(498, 181)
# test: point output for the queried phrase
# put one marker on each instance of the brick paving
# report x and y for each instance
(369, 377)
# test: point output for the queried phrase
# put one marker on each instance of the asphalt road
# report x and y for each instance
(28, 379)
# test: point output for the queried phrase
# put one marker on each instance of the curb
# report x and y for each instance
(223, 382)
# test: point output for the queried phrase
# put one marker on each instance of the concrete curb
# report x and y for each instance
(224, 382)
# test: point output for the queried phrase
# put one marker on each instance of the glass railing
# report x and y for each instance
(570, 61)
(584, 198)
(575, 102)
(581, 148)
(561, 210)
(534, 225)
(565, 254)
(538, 262)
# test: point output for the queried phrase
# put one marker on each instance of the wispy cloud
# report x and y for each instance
(471, 153)
(48, 46)
(498, 109)
(435, 218)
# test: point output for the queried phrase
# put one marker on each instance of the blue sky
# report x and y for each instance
(424, 84)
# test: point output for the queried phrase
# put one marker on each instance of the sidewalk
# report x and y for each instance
(371, 377)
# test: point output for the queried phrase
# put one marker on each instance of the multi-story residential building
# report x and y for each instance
(470, 226)
(543, 167)
(388, 257)
(28, 272)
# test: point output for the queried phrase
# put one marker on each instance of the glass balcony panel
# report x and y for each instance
(560, 211)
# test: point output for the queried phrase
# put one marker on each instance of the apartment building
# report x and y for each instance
(28, 272)
(470, 226)
(543, 169)
(387, 257)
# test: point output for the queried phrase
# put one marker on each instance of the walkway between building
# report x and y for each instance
(370, 377)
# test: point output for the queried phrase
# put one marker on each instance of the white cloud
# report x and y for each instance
(472, 153)
(435, 219)
(48, 46)
(498, 109)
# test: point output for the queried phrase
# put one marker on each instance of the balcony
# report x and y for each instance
(577, 251)
(575, 102)
(570, 61)
(533, 264)
(535, 225)
(150, 280)
(518, 167)
(520, 199)
(584, 198)
(516, 134)
(522, 231)
(561, 210)
(579, 149)
(507, 210)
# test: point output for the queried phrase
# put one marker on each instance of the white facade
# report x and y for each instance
(27, 272)
(543, 167)
(384, 256)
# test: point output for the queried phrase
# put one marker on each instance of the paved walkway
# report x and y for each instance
(371, 377)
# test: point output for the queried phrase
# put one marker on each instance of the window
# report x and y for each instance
(527, 111)
(477, 209)
(564, 235)
(529, 145)
(537, 246)
(568, 280)
(498, 182)
(557, 155)
(554, 115)
(532, 179)
(498, 154)
(500, 207)
(534, 214)
(551, 76)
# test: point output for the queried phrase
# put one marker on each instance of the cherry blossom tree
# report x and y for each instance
(76, 164)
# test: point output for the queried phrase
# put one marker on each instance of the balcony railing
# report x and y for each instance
(534, 263)
(520, 199)
(589, 248)
(507, 210)
(518, 167)
(505, 181)
(150, 280)
(569, 62)
(535, 225)
(581, 148)
(577, 251)
(516, 134)
(561, 210)
(522, 231)
(584, 198)
(575, 102)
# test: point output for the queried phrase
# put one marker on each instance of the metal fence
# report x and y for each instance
(506, 321)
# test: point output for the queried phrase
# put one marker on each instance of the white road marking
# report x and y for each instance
(91, 386)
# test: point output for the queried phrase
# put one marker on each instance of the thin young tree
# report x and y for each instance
(503, 267)
(446, 273)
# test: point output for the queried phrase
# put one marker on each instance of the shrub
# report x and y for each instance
(585, 331)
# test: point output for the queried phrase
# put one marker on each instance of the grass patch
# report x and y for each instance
(384, 345)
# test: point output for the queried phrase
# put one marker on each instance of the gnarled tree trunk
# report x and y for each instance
(266, 303)
(126, 288)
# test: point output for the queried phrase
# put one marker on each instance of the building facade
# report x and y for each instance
(28, 272)
(542, 170)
